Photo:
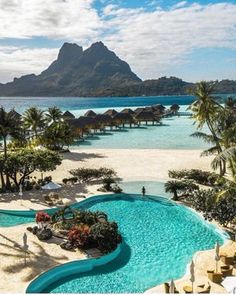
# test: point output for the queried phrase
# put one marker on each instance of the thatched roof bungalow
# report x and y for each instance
(123, 118)
(127, 111)
(175, 108)
(145, 116)
(111, 112)
(15, 114)
(90, 113)
(68, 116)
(81, 125)
(138, 110)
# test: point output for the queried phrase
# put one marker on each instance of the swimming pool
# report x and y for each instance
(160, 239)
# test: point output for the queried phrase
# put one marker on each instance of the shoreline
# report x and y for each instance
(131, 165)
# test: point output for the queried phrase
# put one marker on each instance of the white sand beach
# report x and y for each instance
(130, 165)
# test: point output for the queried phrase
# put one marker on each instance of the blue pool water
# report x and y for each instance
(7, 220)
(160, 240)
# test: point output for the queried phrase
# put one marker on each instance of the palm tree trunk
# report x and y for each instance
(8, 183)
(219, 148)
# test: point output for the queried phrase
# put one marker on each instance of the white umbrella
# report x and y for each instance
(51, 186)
(172, 287)
(217, 255)
(229, 283)
(192, 273)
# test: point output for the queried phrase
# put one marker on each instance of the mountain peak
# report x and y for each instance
(69, 51)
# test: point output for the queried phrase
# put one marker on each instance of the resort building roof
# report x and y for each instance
(68, 115)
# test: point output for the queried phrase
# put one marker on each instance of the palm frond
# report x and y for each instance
(227, 155)
(209, 152)
(206, 137)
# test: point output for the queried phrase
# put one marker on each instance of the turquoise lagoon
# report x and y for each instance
(160, 239)
(173, 134)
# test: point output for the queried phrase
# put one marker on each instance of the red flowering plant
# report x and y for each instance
(42, 218)
(79, 235)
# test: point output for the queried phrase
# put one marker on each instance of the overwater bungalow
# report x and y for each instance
(138, 110)
(175, 108)
(146, 116)
(123, 118)
(68, 116)
(90, 113)
(16, 114)
(101, 121)
(82, 125)
(159, 107)
(127, 111)
(111, 112)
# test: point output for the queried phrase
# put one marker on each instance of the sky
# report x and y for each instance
(192, 40)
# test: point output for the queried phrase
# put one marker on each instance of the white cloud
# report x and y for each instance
(150, 41)
(72, 19)
(153, 41)
(16, 61)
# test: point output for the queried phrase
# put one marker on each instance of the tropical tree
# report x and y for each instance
(57, 135)
(34, 119)
(54, 115)
(21, 164)
(206, 110)
(9, 127)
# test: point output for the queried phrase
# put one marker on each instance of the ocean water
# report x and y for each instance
(174, 133)
(76, 104)
(160, 239)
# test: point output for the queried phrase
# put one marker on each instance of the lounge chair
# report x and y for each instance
(48, 200)
(214, 277)
(203, 289)
(226, 259)
(226, 270)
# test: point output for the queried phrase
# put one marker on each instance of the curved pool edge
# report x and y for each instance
(55, 274)
(31, 212)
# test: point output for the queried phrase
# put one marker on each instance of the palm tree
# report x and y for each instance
(228, 155)
(173, 186)
(33, 119)
(206, 110)
(54, 115)
(9, 126)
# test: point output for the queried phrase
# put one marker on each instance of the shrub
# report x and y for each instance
(79, 235)
(89, 174)
(42, 217)
(106, 236)
(107, 182)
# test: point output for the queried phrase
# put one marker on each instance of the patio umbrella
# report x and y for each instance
(51, 186)
(192, 273)
(217, 254)
(229, 283)
(172, 286)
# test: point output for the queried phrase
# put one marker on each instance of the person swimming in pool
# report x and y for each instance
(143, 191)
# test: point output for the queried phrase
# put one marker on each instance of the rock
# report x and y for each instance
(44, 234)
(67, 245)
(34, 230)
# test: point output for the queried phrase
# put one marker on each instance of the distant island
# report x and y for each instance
(97, 71)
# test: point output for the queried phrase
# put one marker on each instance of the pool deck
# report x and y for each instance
(203, 260)
(41, 256)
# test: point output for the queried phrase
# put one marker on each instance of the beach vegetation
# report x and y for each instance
(34, 120)
(92, 174)
(20, 164)
(80, 229)
(221, 123)
(180, 188)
